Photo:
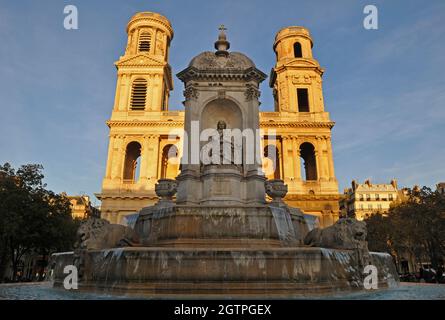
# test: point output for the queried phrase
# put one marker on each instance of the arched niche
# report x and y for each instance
(271, 162)
(221, 110)
(309, 161)
(169, 162)
(132, 162)
(226, 113)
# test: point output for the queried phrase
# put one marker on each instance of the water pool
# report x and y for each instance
(44, 291)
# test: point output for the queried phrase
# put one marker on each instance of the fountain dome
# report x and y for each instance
(221, 63)
(208, 60)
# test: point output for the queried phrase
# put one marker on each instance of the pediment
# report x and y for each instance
(140, 60)
(303, 63)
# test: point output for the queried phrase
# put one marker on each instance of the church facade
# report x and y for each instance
(146, 139)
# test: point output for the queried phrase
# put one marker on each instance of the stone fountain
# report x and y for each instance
(219, 237)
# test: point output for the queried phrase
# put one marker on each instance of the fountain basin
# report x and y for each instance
(223, 272)
(224, 226)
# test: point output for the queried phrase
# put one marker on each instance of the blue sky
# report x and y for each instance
(384, 88)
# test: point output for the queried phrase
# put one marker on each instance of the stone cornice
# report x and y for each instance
(263, 124)
(192, 73)
(123, 196)
(144, 123)
(297, 64)
(140, 60)
(151, 17)
(306, 197)
(302, 124)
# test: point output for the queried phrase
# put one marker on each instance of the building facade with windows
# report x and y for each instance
(81, 207)
(145, 138)
(364, 199)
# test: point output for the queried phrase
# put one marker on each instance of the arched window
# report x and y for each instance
(309, 162)
(144, 42)
(297, 50)
(132, 162)
(271, 163)
(169, 162)
(138, 94)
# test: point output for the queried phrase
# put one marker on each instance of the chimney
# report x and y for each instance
(394, 183)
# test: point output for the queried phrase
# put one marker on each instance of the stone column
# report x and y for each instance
(129, 43)
(288, 171)
(144, 159)
(122, 87)
(188, 178)
(152, 155)
(110, 157)
(117, 94)
(330, 159)
(156, 96)
(317, 160)
(137, 34)
(321, 172)
(118, 158)
(325, 158)
(296, 156)
(125, 92)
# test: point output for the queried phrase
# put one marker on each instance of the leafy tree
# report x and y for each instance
(415, 226)
(378, 233)
(32, 218)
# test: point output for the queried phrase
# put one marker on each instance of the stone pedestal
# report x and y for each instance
(222, 185)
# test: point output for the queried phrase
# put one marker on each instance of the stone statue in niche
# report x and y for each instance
(221, 149)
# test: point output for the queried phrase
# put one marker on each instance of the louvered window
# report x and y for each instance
(144, 42)
(139, 94)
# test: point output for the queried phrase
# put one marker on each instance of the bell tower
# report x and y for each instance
(140, 121)
(296, 78)
(144, 79)
(306, 150)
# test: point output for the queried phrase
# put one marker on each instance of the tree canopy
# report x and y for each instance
(32, 218)
(415, 226)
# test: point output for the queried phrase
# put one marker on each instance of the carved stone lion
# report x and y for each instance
(96, 234)
(346, 233)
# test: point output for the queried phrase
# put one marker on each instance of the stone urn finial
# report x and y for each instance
(277, 190)
(165, 189)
